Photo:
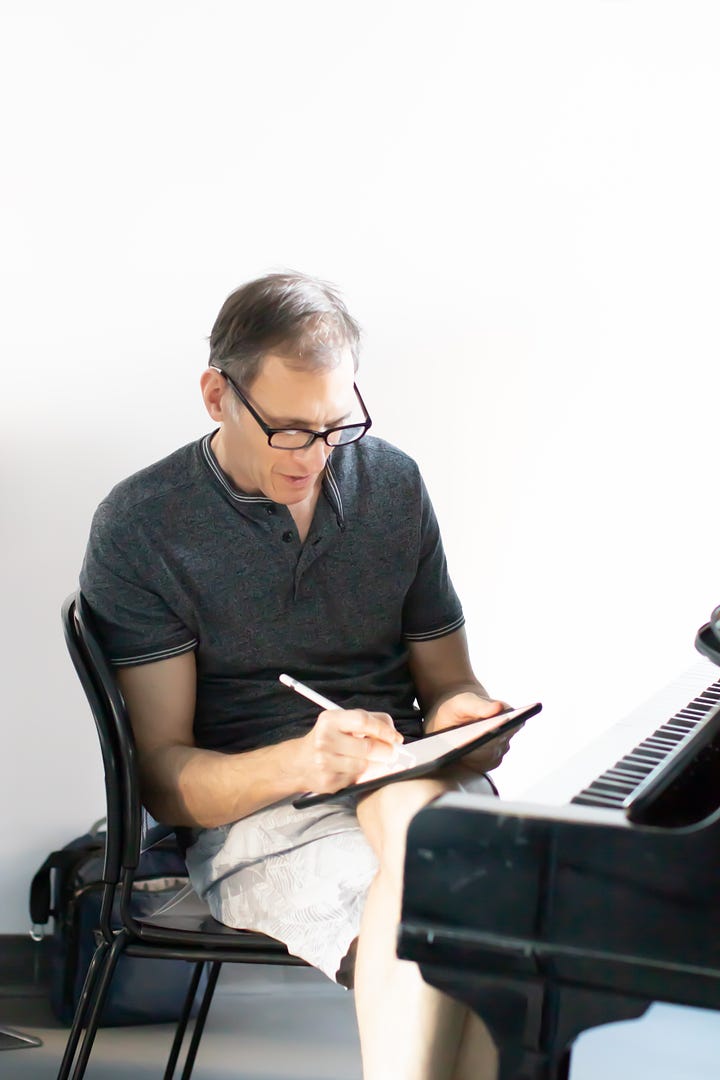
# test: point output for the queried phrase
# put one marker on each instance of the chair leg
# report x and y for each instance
(183, 1021)
(215, 966)
(78, 1023)
(111, 958)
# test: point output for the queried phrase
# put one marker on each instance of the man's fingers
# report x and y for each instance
(367, 725)
(479, 706)
(359, 750)
(356, 735)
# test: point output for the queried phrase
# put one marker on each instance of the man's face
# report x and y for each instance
(285, 397)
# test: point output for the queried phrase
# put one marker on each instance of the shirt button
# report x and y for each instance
(270, 510)
(287, 536)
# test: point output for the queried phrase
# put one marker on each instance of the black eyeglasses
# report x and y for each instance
(300, 438)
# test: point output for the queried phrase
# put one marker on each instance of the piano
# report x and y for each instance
(594, 896)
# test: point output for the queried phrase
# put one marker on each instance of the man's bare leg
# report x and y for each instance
(477, 1056)
(408, 1029)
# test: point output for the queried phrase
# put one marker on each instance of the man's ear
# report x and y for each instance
(214, 387)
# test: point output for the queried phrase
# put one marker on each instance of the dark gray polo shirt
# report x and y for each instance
(180, 559)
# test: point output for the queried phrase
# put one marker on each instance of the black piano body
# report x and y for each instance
(551, 920)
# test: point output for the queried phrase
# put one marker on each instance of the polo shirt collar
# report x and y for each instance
(255, 506)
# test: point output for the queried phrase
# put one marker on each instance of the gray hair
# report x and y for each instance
(300, 318)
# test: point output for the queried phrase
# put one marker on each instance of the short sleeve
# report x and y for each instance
(137, 624)
(432, 608)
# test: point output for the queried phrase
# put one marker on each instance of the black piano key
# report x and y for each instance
(633, 771)
(683, 733)
(618, 794)
(659, 754)
(611, 787)
(588, 799)
(618, 773)
(648, 755)
(602, 798)
(630, 782)
(639, 769)
(628, 762)
(665, 743)
(642, 768)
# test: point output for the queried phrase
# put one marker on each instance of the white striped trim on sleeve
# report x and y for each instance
(147, 658)
(441, 631)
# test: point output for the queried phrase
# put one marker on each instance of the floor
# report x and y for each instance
(265, 1024)
(292, 1024)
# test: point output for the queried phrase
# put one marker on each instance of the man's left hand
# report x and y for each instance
(469, 706)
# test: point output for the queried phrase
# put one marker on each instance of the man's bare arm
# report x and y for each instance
(449, 693)
(183, 784)
(440, 669)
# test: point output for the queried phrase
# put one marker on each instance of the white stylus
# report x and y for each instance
(325, 703)
(311, 695)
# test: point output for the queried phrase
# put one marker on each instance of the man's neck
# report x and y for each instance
(217, 446)
(303, 512)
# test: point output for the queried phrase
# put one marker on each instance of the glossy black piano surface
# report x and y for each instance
(550, 920)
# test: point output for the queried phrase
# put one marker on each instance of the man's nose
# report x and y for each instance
(313, 457)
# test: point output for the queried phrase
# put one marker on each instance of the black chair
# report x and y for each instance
(186, 931)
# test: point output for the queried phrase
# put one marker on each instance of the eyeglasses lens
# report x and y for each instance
(298, 440)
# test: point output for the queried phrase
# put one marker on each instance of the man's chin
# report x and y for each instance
(291, 490)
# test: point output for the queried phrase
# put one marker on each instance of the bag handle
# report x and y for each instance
(40, 909)
(40, 888)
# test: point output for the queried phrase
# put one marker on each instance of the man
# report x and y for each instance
(287, 541)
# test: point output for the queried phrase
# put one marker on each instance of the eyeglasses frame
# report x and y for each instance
(313, 435)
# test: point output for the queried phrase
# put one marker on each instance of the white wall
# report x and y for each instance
(520, 201)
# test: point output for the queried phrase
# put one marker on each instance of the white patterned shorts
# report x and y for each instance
(300, 876)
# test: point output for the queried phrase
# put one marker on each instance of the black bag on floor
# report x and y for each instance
(68, 888)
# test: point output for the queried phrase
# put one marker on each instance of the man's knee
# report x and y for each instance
(385, 815)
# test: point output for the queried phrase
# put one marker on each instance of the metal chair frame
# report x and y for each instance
(194, 937)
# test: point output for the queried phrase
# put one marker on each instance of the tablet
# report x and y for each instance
(427, 754)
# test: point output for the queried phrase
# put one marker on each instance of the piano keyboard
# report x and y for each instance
(624, 766)
(653, 764)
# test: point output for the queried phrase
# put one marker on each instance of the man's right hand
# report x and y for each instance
(341, 745)
(186, 785)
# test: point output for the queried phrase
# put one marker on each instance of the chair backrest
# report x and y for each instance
(124, 810)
